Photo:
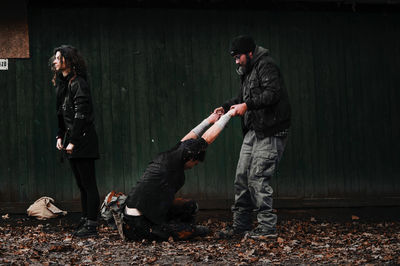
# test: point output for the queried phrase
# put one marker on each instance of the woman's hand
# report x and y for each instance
(69, 148)
(59, 145)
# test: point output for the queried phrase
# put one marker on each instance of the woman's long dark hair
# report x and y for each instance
(74, 61)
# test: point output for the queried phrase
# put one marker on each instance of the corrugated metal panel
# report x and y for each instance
(156, 73)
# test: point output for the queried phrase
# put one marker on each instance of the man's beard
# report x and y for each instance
(243, 69)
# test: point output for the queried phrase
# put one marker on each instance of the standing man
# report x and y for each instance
(264, 106)
(76, 131)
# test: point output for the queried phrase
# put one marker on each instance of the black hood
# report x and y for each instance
(258, 53)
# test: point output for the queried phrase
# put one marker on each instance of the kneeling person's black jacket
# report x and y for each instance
(154, 193)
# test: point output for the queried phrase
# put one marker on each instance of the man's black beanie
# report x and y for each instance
(242, 44)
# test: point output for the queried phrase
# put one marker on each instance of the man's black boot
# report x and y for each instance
(260, 233)
(88, 229)
(231, 232)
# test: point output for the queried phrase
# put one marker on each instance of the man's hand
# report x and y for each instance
(69, 148)
(220, 111)
(59, 145)
(240, 108)
(213, 118)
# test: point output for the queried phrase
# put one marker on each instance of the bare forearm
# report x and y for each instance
(212, 133)
(200, 128)
(190, 135)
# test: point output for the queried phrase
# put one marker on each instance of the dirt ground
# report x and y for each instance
(313, 236)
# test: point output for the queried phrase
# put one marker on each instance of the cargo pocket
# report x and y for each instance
(265, 165)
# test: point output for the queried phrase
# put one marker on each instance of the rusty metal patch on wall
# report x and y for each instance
(14, 37)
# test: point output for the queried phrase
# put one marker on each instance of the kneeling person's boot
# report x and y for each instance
(88, 229)
(200, 230)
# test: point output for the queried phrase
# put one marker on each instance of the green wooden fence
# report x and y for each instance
(156, 73)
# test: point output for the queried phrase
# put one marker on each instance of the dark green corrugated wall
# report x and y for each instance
(155, 74)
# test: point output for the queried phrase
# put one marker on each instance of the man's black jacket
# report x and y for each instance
(264, 92)
(76, 117)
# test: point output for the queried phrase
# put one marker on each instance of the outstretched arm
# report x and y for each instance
(213, 132)
(200, 128)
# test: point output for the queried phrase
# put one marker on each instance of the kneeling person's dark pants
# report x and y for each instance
(180, 224)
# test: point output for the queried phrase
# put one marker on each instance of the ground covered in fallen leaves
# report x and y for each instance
(344, 237)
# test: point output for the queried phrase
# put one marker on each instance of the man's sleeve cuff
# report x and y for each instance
(250, 104)
(226, 107)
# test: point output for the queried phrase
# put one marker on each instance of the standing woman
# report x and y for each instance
(76, 135)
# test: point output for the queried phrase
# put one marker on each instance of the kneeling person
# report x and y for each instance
(151, 211)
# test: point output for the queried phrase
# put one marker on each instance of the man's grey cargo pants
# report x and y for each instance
(258, 161)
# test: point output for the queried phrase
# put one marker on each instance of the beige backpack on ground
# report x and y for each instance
(44, 208)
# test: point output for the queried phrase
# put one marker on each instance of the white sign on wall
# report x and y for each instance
(3, 64)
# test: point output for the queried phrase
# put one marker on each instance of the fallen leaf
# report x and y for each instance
(151, 259)
(287, 248)
(60, 248)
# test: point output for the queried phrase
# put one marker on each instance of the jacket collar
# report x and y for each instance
(66, 78)
(258, 53)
